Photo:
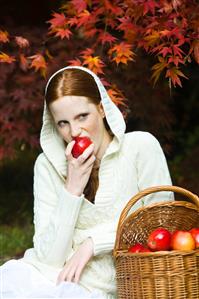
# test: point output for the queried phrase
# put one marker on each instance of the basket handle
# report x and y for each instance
(194, 198)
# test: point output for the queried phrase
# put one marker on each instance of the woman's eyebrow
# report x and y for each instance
(76, 117)
(79, 114)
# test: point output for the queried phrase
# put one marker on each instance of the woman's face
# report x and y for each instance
(76, 116)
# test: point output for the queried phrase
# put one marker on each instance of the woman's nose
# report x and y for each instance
(75, 131)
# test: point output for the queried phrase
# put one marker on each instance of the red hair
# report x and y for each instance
(77, 83)
(72, 82)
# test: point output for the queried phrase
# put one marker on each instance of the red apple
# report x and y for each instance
(81, 143)
(182, 240)
(145, 249)
(159, 239)
(138, 248)
(195, 234)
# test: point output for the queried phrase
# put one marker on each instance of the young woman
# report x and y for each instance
(78, 200)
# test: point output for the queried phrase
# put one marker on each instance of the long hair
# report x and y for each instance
(75, 82)
(72, 82)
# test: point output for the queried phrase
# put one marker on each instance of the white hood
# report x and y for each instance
(51, 143)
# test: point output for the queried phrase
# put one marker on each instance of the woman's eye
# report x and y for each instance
(62, 123)
(83, 116)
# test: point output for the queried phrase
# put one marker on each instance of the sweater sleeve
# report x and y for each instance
(152, 170)
(103, 237)
(55, 216)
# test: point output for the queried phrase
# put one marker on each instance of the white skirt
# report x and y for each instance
(22, 280)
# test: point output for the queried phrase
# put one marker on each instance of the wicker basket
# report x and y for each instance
(163, 274)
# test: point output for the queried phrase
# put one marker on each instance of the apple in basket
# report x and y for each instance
(182, 240)
(138, 248)
(159, 239)
(81, 143)
(195, 235)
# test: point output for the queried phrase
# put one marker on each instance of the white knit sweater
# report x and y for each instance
(132, 162)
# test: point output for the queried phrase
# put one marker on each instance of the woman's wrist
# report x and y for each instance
(73, 190)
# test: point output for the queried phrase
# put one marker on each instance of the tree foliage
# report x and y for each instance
(111, 38)
(114, 30)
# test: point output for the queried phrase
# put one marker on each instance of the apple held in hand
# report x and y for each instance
(182, 240)
(159, 239)
(195, 235)
(81, 143)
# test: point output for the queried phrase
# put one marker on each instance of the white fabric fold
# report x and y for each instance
(51, 142)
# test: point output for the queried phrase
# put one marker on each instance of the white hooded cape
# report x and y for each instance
(132, 162)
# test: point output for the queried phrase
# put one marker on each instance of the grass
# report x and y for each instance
(14, 240)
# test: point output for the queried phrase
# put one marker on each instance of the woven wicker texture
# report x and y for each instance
(157, 275)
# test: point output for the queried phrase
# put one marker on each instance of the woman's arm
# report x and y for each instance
(55, 215)
(152, 170)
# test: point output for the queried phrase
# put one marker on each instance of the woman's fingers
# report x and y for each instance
(74, 267)
(78, 170)
(86, 154)
(68, 151)
(71, 274)
(60, 277)
(78, 273)
(63, 275)
(90, 161)
(83, 157)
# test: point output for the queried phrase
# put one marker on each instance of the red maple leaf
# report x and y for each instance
(174, 75)
(196, 50)
(79, 5)
(176, 3)
(117, 96)
(149, 6)
(6, 58)
(153, 38)
(126, 24)
(121, 53)
(115, 9)
(39, 63)
(72, 21)
(86, 52)
(22, 42)
(63, 33)
(58, 20)
(94, 63)
(158, 68)
(83, 18)
(105, 37)
(165, 51)
(4, 36)
(24, 64)
(75, 62)
(177, 51)
(90, 32)
(175, 60)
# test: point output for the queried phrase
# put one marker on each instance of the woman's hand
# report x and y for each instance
(75, 265)
(78, 170)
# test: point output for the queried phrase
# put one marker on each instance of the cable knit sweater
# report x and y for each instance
(132, 162)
